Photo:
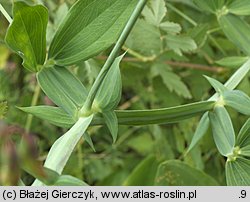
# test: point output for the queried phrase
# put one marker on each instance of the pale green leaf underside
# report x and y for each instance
(63, 88)
(200, 131)
(239, 34)
(64, 146)
(243, 138)
(239, 7)
(62, 149)
(90, 27)
(219, 87)
(109, 93)
(54, 115)
(27, 34)
(111, 121)
(177, 173)
(237, 100)
(232, 83)
(223, 131)
(235, 61)
(238, 172)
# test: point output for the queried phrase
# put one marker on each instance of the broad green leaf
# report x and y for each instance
(171, 80)
(111, 121)
(210, 5)
(170, 27)
(237, 100)
(27, 34)
(177, 173)
(237, 34)
(67, 180)
(223, 131)
(63, 88)
(180, 44)
(3, 109)
(109, 93)
(159, 116)
(62, 149)
(54, 115)
(243, 139)
(144, 173)
(89, 28)
(238, 172)
(239, 7)
(64, 146)
(88, 139)
(155, 12)
(232, 61)
(200, 131)
(238, 76)
(219, 87)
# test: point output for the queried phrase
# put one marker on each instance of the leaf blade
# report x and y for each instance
(223, 131)
(77, 38)
(27, 34)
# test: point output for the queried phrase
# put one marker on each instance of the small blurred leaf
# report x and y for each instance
(237, 100)
(27, 34)
(54, 115)
(111, 121)
(88, 139)
(45, 175)
(210, 5)
(170, 27)
(239, 7)
(144, 173)
(232, 61)
(155, 13)
(180, 44)
(176, 173)
(238, 172)
(223, 131)
(63, 88)
(67, 180)
(109, 93)
(4, 55)
(200, 131)
(237, 34)
(3, 109)
(171, 80)
(149, 43)
(219, 87)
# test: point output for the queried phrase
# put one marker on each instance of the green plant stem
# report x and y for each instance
(89, 101)
(6, 15)
(158, 116)
(33, 103)
(191, 21)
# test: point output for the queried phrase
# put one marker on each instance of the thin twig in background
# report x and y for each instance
(216, 69)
